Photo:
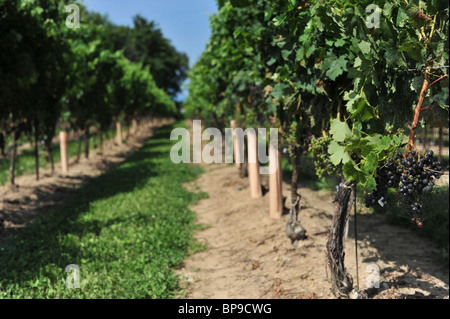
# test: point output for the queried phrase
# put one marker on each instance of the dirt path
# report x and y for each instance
(20, 206)
(249, 255)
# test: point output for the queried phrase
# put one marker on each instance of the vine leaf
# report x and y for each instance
(371, 162)
(339, 43)
(364, 46)
(353, 173)
(412, 49)
(339, 130)
(337, 68)
(337, 153)
(379, 142)
(358, 107)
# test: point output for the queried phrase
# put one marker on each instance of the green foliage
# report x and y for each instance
(383, 90)
(324, 68)
(125, 237)
(318, 68)
(106, 86)
(50, 73)
(144, 43)
(32, 65)
(231, 71)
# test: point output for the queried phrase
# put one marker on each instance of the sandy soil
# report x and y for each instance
(20, 206)
(249, 256)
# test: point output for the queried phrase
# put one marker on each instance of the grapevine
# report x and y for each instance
(325, 70)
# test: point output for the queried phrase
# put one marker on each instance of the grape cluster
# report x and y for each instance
(296, 146)
(319, 149)
(412, 176)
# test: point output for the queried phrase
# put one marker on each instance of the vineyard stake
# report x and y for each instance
(236, 144)
(253, 165)
(275, 188)
(119, 133)
(135, 126)
(63, 150)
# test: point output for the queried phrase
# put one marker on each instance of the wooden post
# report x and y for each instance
(236, 144)
(86, 142)
(253, 165)
(135, 126)
(425, 137)
(275, 180)
(36, 147)
(12, 166)
(119, 133)
(63, 150)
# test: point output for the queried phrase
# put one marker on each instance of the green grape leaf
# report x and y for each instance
(379, 142)
(337, 153)
(285, 54)
(371, 162)
(271, 61)
(278, 90)
(413, 49)
(364, 46)
(353, 173)
(334, 66)
(412, 11)
(339, 130)
(357, 63)
(339, 43)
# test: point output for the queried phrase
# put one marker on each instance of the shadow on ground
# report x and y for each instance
(56, 210)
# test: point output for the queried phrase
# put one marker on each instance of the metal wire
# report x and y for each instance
(430, 68)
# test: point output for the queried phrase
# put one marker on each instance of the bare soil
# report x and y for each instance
(248, 255)
(19, 206)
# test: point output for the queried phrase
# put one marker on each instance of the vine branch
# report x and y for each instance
(442, 77)
(423, 92)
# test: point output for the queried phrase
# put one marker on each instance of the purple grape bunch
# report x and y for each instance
(412, 175)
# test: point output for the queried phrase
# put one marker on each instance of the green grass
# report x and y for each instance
(126, 230)
(25, 162)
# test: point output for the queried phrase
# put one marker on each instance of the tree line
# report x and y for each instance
(92, 76)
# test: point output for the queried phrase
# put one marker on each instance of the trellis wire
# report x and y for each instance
(429, 68)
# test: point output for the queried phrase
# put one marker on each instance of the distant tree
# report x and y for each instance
(146, 43)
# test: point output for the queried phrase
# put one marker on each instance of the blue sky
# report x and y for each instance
(184, 22)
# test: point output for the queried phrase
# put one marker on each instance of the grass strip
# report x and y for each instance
(126, 231)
